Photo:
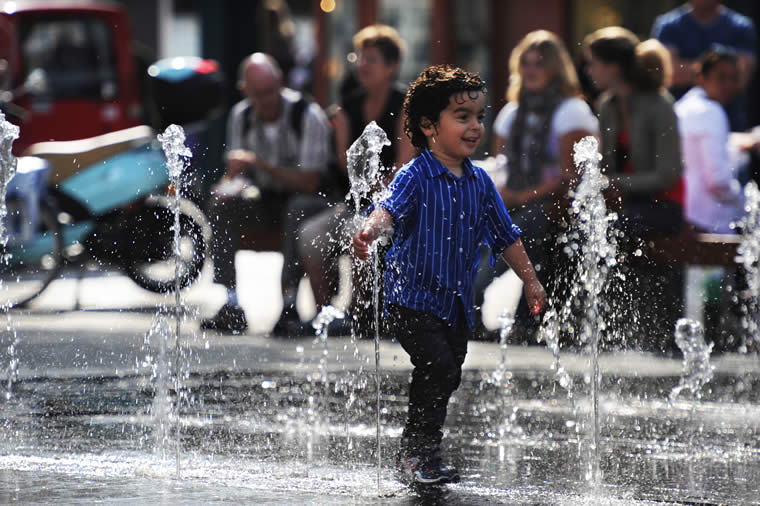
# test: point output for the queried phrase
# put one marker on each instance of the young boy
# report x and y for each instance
(440, 209)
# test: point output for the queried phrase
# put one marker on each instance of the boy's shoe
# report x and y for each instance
(230, 318)
(428, 470)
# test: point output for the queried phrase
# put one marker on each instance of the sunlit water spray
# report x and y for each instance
(321, 324)
(748, 255)
(501, 379)
(365, 173)
(592, 245)
(177, 154)
(8, 134)
(697, 370)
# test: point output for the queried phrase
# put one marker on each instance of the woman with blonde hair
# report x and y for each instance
(641, 155)
(536, 131)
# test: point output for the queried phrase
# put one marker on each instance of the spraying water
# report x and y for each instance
(506, 322)
(365, 173)
(173, 144)
(747, 254)
(321, 323)
(597, 250)
(697, 371)
(8, 133)
(549, 333)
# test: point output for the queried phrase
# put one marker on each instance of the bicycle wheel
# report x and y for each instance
(152, 264)
(28, 266)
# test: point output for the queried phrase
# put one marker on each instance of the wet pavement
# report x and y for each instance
(92, 417)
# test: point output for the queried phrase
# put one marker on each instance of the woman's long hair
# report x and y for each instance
(556, 60)
(645, 65)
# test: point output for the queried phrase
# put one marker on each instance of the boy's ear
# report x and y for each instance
(426, 126)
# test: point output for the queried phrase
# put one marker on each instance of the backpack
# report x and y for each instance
(295, 119)
(334, 184)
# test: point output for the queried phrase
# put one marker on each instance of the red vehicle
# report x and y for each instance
(68, 69)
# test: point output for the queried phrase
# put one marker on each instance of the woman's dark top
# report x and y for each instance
(388, 120)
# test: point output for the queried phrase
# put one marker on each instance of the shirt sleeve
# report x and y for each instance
(503, 122)
(664, 31)
(402, 197)
(501, 232)
(315, 140)
(717, 170)
(574, 114)
(665, 156)
(746, 37)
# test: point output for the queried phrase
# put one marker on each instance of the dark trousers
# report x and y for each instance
(652, 294)
(437, 352)
(230, 217)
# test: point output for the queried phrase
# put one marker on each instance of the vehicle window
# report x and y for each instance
(76, 55)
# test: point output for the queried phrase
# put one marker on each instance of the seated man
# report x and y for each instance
(277, 150)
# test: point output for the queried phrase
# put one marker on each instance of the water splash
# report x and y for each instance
(321, 324)
(549, 333)
(748, 254)
(595, 251)
(173, 143)
(506, 322)
(8, 134)
(177, 154)
(365, 174)
(163, 407)
(697, 370)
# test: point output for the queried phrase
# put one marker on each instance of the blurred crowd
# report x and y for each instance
(669, 113)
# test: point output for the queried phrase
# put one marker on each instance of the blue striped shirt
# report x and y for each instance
(439, 223)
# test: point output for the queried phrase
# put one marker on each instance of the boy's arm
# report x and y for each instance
(377, 224)
(518, 260)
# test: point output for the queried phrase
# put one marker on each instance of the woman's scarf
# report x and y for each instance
(526, 148)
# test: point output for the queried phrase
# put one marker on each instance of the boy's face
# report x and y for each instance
(459, 128)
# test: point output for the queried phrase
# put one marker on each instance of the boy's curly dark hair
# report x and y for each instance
(429, 94)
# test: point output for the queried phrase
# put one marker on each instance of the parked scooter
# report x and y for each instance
(106, 201)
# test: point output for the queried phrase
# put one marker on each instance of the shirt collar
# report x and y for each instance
(433, 167)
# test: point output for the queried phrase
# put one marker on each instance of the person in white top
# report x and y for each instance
(536, 131)
(714, 198)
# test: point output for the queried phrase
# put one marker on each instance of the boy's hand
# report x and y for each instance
(362, 241)
(536, 297)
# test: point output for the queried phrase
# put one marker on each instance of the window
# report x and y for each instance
(76, 55)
